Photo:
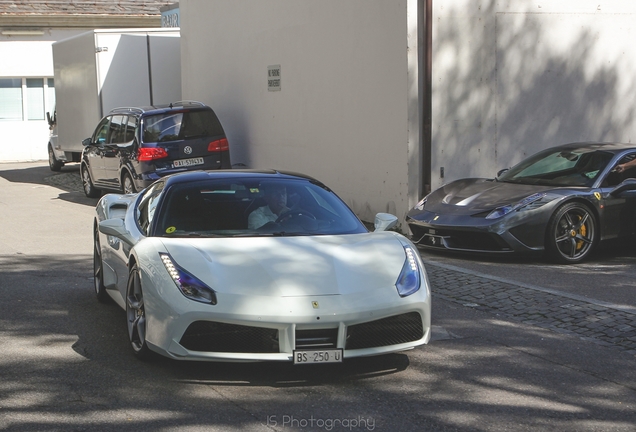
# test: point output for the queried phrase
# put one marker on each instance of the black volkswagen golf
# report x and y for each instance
(134, 146)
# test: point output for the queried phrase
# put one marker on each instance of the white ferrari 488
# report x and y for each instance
(243, 265)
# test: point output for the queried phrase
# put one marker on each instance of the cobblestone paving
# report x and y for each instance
(71, 182)
(593, 322)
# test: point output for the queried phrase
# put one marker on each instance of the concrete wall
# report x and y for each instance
(30, 57)
(347, 110)
(509, 78)
(513, 77)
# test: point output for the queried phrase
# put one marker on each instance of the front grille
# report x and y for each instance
(418, 232)
(316, 339)
(462, 240)
(209, 336)
(384, 332)
(476, 241)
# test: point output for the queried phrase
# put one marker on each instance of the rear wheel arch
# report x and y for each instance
(123, 176)
(87, 182)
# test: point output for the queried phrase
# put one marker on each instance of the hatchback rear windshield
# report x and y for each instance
(179, 125)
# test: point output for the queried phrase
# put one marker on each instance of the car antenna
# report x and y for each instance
(170, 105)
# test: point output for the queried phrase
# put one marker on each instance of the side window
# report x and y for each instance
(101, 133)
(631, 171)
(117, 129)
(131, 126)
(147, 207)
(614, 178)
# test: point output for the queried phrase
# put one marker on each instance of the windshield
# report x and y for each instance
(178, 125)
(572, 167)
(253, 207)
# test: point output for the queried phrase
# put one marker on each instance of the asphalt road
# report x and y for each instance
(502, 357)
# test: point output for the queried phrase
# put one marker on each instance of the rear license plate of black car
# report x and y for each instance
(188, 162)
(317, 356)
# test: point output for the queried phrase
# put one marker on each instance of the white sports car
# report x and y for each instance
(243, 265)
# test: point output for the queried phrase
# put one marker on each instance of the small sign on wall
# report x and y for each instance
(273, 78)
(170, 15)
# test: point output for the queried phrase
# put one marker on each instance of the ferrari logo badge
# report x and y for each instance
(597, 195)
(315, 304)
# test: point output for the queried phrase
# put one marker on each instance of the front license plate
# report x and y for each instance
(433, 240)
(188, 162)
(318, 356)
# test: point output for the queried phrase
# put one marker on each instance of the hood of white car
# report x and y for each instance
(292, 266)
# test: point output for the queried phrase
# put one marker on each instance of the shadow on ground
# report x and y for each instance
(68, 180)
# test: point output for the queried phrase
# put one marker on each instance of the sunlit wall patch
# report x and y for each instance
(190, 286)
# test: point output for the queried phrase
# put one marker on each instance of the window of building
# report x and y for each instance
(26, 98)
(10, 99)
(35, 98)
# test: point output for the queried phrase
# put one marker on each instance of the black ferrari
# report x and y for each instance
(562, 201)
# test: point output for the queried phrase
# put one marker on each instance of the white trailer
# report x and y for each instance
(100, 70)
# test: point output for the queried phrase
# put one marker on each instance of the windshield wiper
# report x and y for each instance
(272, 234)
(198, 234)
(289, 234)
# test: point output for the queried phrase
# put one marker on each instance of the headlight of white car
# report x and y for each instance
(190, 286)
(409, 280)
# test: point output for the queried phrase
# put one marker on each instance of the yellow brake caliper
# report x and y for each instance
(583, 232)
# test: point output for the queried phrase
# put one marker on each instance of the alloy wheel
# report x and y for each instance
(136, 314)
(574, 233)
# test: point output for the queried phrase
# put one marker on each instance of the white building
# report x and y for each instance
(27, 30)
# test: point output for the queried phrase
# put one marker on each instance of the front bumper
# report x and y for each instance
(229, 332)
(478, 235)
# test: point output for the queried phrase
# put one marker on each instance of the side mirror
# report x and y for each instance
(385, 221)
(116, 228)
(627, 185)
(86, 142)
(50, 120)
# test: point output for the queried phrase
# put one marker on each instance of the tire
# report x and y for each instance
(571, 235)
(98, 270)
(87, 184)
(54, 164)
(127, 184)
(136, 315)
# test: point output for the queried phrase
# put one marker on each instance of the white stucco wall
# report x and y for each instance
(342, 114)
(27, 57)
(513, 77)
